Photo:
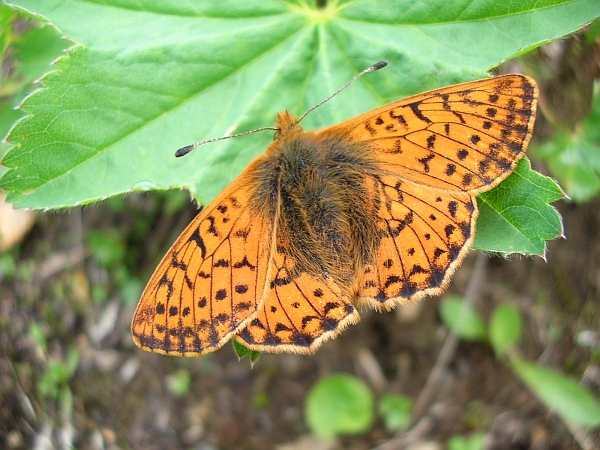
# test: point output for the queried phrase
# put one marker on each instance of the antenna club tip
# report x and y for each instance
(184, 151)
(380, 65)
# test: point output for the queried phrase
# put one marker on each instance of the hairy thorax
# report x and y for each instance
(315, 183)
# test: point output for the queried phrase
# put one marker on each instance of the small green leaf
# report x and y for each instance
(65, 399)
(261, 400)
(516, 216)
(8, 265)
(72, 362)
(395, 410)
(241, 351)
(505, 327)
(54, 379)
(179, 382)
(462, 318)
(37, 335)
(339, 405)
(573, 402)
(473, 442)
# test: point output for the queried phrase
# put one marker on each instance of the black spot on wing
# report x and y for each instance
(197, 239)
(244, 263)
(425, 162)
(417, 112)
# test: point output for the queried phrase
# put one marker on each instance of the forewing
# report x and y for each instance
(466, 137)
(301, 310)
(425, 233)
(212, 280)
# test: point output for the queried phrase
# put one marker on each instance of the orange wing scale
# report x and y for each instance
(465, 137)
(426, 233)
(211, 282)
(301, 311)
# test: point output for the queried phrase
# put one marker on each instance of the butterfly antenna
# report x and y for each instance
(188, 148)
(373, 68)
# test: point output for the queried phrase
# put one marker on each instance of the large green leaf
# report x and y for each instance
(31, 50)
(574, 402)
(516, 217)
(150, 76)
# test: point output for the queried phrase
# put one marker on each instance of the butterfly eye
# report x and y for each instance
(277, 135)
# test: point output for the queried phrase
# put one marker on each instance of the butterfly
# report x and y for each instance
(376, 211)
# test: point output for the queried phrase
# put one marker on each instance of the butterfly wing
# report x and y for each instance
(301, 310)
(436, 151)
(466, 137)
(424, 234)
(212, 281)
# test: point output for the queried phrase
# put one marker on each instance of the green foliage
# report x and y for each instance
(473, 442)
(38, 337)
(111, 117)
(517, 213)
(110, 250)
(395, 411)
(339, 405)
(107, 247)
(242, 352)
(32, 51)
(58, 374)
(261, 400)
(462, 318)
(505, 328)
(179, 382)
(8, 265)
(574, 159)
(572, 401)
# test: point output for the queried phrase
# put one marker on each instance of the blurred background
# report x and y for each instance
(71, 377)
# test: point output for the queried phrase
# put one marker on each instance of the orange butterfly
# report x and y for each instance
(379, 210)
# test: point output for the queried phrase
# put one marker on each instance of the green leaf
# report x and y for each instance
(338, 405)
(31, 53)
(505, 327)
(38, 337)
(474, 442)
(573, 402)
(151, 76)
(395, 410)
(65, 398)
(516, 216)
(179, 382)
(37, 48)
(574, 159)
(72, 362)
(241, 351)
(462, 318)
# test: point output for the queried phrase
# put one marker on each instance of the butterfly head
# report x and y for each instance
(287, 125)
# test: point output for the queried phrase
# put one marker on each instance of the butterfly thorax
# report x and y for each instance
(315, 182)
